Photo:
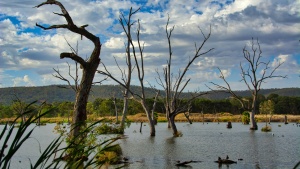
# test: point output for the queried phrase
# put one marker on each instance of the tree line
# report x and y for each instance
(106, 107)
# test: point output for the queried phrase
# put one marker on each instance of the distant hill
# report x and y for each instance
(54, 93)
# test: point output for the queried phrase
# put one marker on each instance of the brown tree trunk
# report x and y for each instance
(150, 121)
(253, 125)
(173, 125)
(82, 95)
(285, 120)
(187, 116)
(124, 112)
(167, 116)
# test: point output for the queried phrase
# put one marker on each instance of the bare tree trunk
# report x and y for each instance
(187, 116)
(79, 115)
(153, 108)
(202, 116)
(23, 118)
(116, 110)
(270, 119)
(88, 66)
(252, 120)
(168, 119)
(125, 108)
(150, 121)
(173, 126)
(285, 120)
(253, 125)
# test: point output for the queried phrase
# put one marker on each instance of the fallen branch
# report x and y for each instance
(186, 162)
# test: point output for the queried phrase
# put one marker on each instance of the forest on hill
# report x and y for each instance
(59, 93)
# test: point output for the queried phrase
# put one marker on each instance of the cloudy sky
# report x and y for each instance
(29, 54)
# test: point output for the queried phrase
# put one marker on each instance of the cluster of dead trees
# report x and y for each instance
(173, 83)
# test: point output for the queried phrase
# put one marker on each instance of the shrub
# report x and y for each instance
(106, 128)
(246, 117)
(266, 129)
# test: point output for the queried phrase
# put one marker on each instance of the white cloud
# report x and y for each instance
(289, 65)
(115, 43)
(273, 22)
(23, 81)
(226, 72)
(29, 63)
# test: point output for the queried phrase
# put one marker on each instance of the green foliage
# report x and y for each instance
(5, 111)
(86, 149)
(105, 107)
(267, 107)
(266, 129)
(106, 128)
(246, 117)
(287, 105)
(111, 155)
(64, 109)
(82, 151)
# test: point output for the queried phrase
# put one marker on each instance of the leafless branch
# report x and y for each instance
(61, 77)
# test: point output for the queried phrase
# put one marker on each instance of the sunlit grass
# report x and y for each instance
(195, 117)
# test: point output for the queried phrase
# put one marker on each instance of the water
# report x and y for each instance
(200, 142)
(209, 141)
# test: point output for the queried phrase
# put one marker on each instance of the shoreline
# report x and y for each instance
(194, 117)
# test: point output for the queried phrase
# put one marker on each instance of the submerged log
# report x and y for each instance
(184, 163)
(225, 161)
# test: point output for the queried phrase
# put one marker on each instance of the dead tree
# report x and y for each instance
(141, 74)
(116, 109)
(154, 106)
(253, 75)
(174, 86)
(88, 66)
(125, 77)
(137, 53)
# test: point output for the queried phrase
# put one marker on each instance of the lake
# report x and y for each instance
(200, 142)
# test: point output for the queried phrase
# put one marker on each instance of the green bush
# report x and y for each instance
(246, 117)
(106, 128)
(266, 129)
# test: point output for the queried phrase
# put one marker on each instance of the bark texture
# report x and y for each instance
(88, 66)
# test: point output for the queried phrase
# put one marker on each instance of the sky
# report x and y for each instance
(29, 54)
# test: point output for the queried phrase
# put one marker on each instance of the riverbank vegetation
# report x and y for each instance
(201, 110)
(85, 150)
(194, 117)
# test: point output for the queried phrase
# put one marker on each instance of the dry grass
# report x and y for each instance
(195, 117)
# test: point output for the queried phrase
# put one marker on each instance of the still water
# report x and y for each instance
(200, 142)
(205, 142)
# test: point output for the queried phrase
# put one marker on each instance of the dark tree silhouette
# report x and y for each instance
(88, 66)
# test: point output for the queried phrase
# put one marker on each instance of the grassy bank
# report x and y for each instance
(225, 117)
(195, 117)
